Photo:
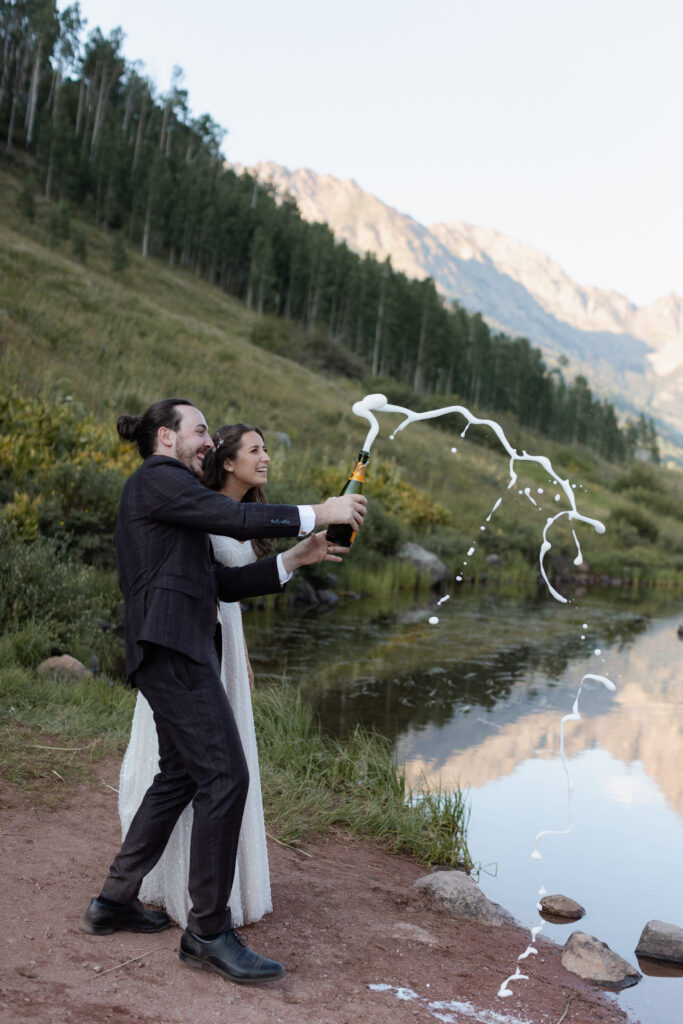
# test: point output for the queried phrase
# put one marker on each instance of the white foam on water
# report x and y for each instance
(470, 551)
(597, 651)
(442, 600)
(433, 620)
(527, 492)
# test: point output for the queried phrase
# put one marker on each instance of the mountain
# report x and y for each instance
(632, 355)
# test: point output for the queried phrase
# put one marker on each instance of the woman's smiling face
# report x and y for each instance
(249, 468)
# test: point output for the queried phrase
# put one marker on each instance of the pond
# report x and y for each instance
(476, 700)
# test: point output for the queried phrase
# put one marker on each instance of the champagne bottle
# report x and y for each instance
(342, 533)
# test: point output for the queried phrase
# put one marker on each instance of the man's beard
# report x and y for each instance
(187, 454)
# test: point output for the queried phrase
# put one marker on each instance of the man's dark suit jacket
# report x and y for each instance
(168, 577)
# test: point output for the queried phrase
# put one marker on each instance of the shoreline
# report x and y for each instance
(358, 944)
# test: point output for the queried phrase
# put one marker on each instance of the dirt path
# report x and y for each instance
(344, 922)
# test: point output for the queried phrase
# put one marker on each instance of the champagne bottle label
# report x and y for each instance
(341, 533)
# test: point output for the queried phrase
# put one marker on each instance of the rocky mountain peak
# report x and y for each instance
(634, 355)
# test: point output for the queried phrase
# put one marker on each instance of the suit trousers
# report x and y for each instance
(200, 760)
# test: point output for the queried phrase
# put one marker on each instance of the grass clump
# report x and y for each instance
(53, 731)
(312, 783)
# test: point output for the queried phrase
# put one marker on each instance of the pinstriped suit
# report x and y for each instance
(170, 586)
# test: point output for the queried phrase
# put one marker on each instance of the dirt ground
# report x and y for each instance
(345, 926)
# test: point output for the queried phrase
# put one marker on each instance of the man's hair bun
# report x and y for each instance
(128, 427)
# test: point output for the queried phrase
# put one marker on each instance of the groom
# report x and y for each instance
(170, 587)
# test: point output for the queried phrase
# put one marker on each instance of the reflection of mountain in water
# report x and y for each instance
(642, 722)
(484, 691)
(405, 683)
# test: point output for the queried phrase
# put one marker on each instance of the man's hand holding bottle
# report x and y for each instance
(348, 509)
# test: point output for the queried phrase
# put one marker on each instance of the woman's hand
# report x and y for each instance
(315, 548)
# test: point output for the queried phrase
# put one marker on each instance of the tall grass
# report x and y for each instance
(312, 782)
(380, 578)
(56, 731)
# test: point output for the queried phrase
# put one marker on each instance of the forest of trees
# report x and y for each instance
(139, 164)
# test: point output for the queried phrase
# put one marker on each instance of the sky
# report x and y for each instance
(556, 122)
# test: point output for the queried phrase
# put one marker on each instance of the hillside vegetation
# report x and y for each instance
(103, 143)
(82, 343)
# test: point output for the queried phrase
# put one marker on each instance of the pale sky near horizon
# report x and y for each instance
(556, 122)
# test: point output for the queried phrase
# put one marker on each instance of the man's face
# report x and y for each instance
(192, 439)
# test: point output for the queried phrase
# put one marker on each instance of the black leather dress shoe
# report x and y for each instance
(99, 919)
(229, 956)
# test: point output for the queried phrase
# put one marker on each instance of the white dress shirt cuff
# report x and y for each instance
(307, 519)
(285, 576)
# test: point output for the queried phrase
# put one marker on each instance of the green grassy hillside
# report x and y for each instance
(76, 333)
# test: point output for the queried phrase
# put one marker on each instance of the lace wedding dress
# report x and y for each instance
(166, 884)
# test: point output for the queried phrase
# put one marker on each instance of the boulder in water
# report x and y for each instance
(594, 961)
(661, 941)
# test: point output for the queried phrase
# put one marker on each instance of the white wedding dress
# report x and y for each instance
(166, 884)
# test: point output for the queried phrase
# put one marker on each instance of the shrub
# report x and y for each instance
(80, 509)
(42, 585)
(382, 532)
(639, 476)
(639, 521)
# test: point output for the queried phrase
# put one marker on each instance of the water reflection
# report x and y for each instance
(390, 669)
(641, 722)
(477, 700)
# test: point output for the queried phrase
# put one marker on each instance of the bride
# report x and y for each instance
(237, 467)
